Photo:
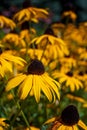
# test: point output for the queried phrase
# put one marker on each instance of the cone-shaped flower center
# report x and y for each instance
(36, 67)
(25, 25)
(0, 50)
(69, 73)
(81, 73)
(70, 115)
(26, 3)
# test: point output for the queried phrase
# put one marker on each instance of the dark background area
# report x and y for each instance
(9, 7)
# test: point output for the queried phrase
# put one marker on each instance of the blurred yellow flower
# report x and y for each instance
(27, 35)
(6, 22)
(7, 60)
(68, 120)
(69, 79)
(69, 14)
(55, 47)
(68, 62)
(35, 81)
(12, 40)
(83, 56)
(30, 14)
(76, 98)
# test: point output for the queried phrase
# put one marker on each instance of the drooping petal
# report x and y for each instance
(6, 65)
(36, 87)
(25, 87)
(52, 84)
(82, 125)
(14, 59)
(45, 89)
(50, 120)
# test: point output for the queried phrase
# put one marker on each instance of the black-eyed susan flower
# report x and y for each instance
(68, 62)
(31, 14)
(68, 120)
(27, 35)
(6, 22)
(35, 81)
(69, 79)
(13, 40)
(54, 46)
(83, 77)
(7, 60)
(69, 15)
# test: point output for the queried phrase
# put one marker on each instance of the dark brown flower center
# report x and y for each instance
(36, 67)
(69, 73)
(81, 73)
(27, 3)
(70, 115)
(25, 25)
(49, 31)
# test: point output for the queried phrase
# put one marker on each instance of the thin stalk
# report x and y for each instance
(44, 50)
(18, 112)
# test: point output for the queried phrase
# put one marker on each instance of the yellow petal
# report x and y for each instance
(52, 84)
(50, 120)
(36, 87)
(14, 59)
(7, 65)
(2, 73)
(45, 89)
(15, 81)
(25, 87)
(82, 125)
(41, 38)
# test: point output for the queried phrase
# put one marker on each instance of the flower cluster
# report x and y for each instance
(42, 70)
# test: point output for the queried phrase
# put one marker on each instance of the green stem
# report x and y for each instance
(24, 117)
(20, 110)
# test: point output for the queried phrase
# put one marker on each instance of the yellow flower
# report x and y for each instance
(83, 56)
(7, 60)
(35, 81)
(68, 62)
(83, 77)
(69, 79)
(11, 39)
(36, 54)
(76, 98)
(6, 22)
(55, 47)
(27, 35)
(68, 120)
(33, 53)
(30, 14)
(69, 14)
